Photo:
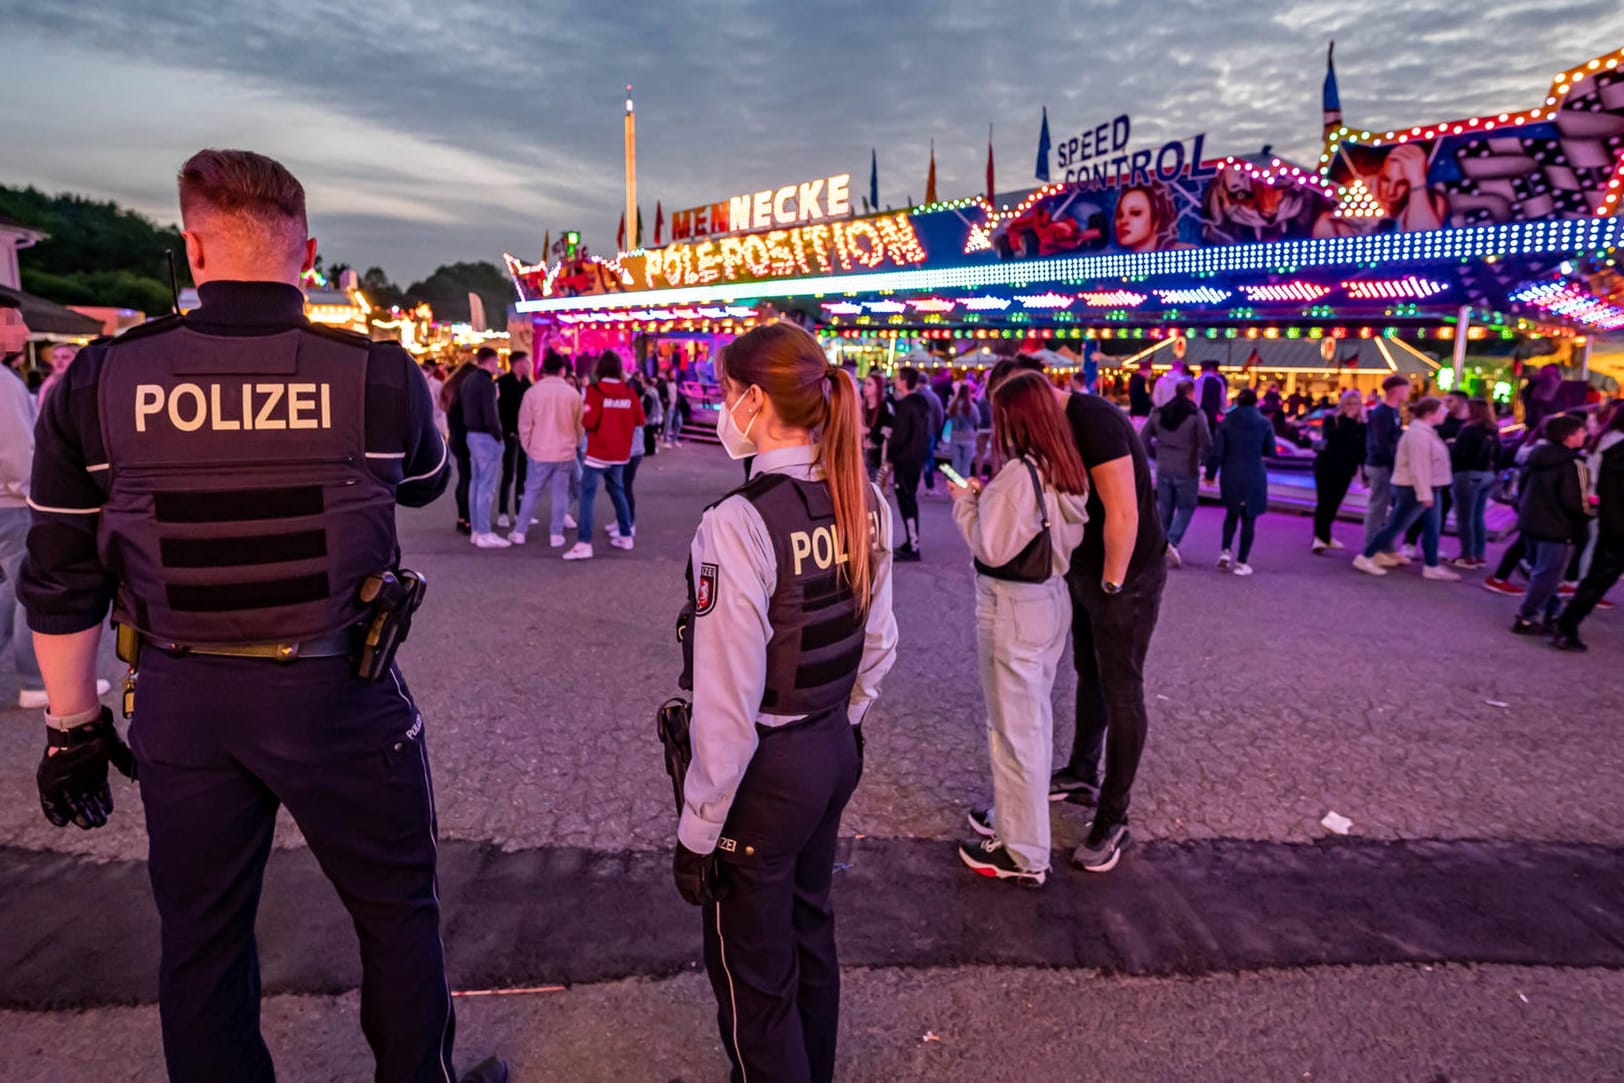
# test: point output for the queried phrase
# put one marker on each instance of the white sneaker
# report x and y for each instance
(490, 541)
(1243, 568)
(1406, 551)
(1392, 560)
(1334, 544)
(1320, 546)
(517, 537)
(579, 551)
(534, 521)
(35, 699)
(569, 521)
(1440, 573)
(503, 521)
(1175, 559)
(614, 531)
(621, 543)
(1368, 565)
(1225, 559)
(556, 541)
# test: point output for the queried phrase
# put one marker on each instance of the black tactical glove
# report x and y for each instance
(698, 876)
(72, 775)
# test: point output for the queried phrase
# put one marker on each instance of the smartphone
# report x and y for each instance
(954, 476)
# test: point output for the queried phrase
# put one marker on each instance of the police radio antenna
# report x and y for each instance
(174, 283)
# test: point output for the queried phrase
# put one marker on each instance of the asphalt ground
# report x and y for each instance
(1401, 704)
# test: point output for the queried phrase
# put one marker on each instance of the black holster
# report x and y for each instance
(393, 596)
(671, 723)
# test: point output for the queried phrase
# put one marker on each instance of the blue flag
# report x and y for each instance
(1043, 147)
(1333, 101)
(874, 180)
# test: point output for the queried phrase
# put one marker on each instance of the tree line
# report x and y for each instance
(98, 253)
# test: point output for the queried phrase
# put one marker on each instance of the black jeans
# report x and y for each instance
(1331, 481)
(514, 464)
(905, 476)
(1606, 565)
(1247, 520)
(1511, 558)
(465, 477)
(1110, 636)
(770, 944)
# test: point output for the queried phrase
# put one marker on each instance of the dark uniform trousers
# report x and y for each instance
(221, 744)
(770, 944)
(1110, 636)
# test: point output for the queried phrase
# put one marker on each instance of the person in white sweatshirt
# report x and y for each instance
(1421, 471)
(1021, 528)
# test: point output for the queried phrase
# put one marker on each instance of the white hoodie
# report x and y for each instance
(1003, 518)
(16, 440)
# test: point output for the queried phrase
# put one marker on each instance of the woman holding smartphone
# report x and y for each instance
(791, 629)
(1022, 528)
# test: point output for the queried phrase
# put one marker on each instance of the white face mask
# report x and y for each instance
(736, 442)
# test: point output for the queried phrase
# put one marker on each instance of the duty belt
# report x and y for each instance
(337, 645)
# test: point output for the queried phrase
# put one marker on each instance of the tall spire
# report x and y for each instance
(1333, 101)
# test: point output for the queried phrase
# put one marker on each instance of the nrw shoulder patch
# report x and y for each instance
(705, 590)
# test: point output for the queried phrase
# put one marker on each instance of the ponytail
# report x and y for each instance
(843, 470)
(807, 393)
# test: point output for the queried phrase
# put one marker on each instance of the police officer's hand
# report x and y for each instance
(72, 775)
(698, 877)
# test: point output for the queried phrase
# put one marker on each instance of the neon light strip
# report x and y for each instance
(1201, 295)
(1286, 291)
(1391, 290)
(986, 304)
(1401, 344)
(1111, 298)
(1571, 235)
(1045, 300)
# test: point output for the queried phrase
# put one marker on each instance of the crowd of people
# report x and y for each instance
(561, 432)
(1424, 463)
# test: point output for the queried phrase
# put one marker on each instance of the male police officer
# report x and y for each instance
(227, 481)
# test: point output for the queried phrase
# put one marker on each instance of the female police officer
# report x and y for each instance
(792, 633)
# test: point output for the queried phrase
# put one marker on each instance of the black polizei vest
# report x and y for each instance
(817, 628)
(240, 506)
(816, 645)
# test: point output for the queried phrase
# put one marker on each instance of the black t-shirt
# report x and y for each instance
(1103, 433)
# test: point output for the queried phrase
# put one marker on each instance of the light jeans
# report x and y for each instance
(556, 476)
(1020, 636)
(1378, 500)
(1472, 489)
(485, 453)
(964, 456)
(14, 523)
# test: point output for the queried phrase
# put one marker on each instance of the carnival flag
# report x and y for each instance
(1333, 102)
(659, 222)
(639, 243)
(620, 234)
(874, 179)
(990, 187)
(476, 311)
(1043, 148)
(930, 178)
(547, 247)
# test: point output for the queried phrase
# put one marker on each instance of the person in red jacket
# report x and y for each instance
(610, 415)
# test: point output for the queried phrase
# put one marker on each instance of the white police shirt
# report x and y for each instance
(730, 646)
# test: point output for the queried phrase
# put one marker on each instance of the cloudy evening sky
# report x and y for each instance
(431, 132)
